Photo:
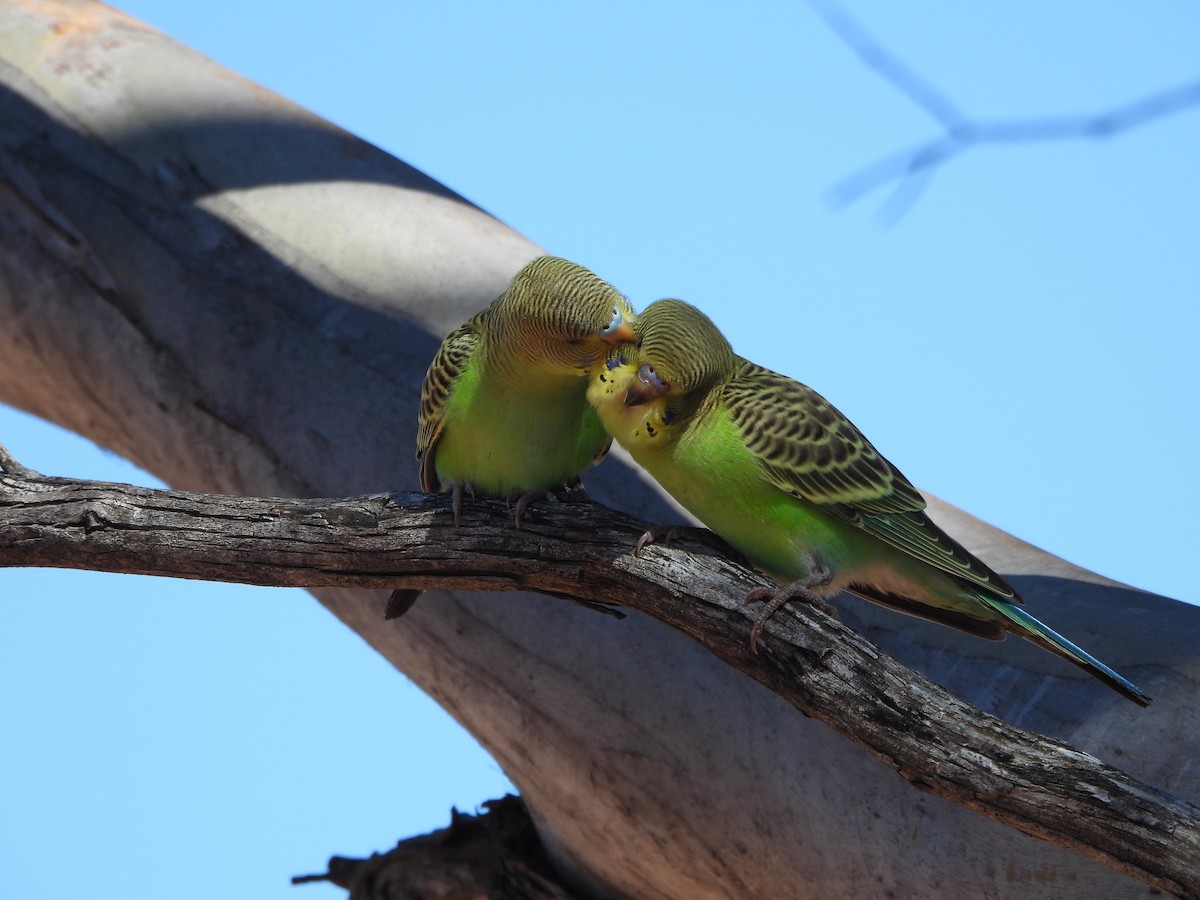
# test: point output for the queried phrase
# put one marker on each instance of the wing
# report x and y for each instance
(448, 364)
(812, 451)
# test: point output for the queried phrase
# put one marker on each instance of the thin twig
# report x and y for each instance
(914, 168)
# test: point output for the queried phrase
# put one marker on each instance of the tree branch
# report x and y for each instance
(825, 670)
(495, 854)
(913, 168)
(242, 298)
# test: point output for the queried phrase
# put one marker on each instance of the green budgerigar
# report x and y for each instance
(782, 476)
(504, 407)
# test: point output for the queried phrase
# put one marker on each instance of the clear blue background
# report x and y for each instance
(1022, 343)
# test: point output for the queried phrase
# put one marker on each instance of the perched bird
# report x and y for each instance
(782, 476)
(503, 405)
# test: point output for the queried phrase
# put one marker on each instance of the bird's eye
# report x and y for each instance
(613, 323)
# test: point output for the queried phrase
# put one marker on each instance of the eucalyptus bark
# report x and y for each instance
(242, 298)
(586, 552)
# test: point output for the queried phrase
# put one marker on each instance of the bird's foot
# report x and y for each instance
(571, 492)
(668, 533)
(801, 589)
(522, 502)
(456, 495)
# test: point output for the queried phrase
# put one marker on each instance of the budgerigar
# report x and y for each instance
(779, 473)
(503, 405)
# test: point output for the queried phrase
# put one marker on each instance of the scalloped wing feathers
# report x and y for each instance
(451, 359)
(811, 450)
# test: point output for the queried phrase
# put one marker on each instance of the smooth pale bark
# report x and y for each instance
(588, 553)
(242, 298)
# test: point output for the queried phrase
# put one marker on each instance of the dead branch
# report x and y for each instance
(930, 738)
(494, 854)
(913, 168)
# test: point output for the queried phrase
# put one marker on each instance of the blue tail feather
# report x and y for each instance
(1031, 629)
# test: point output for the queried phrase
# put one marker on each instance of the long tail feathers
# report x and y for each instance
(1031, 629)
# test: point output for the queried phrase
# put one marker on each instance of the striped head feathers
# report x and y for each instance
(560, 315)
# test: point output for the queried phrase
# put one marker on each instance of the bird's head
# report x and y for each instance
(681, 354)
(563, 317)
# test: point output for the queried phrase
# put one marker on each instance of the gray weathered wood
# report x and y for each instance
(240, 297)
(823, 669)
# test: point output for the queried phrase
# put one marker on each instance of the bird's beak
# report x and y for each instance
(622, 335)
(646, 387)
(637, 395)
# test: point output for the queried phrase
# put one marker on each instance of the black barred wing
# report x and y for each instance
(812, 451)
(448, 363)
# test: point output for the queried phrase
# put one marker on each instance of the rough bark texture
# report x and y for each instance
(931, 738)
(494, 856)
(242, 298)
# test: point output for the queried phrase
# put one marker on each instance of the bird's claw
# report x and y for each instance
(522, 503)
(664, 533)
(456, 499)
(777, 597)
(571, 492)
(668, 533)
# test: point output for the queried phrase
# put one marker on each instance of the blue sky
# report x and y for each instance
(1021, 343)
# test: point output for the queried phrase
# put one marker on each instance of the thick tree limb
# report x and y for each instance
(242, 298)
(584, 551)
